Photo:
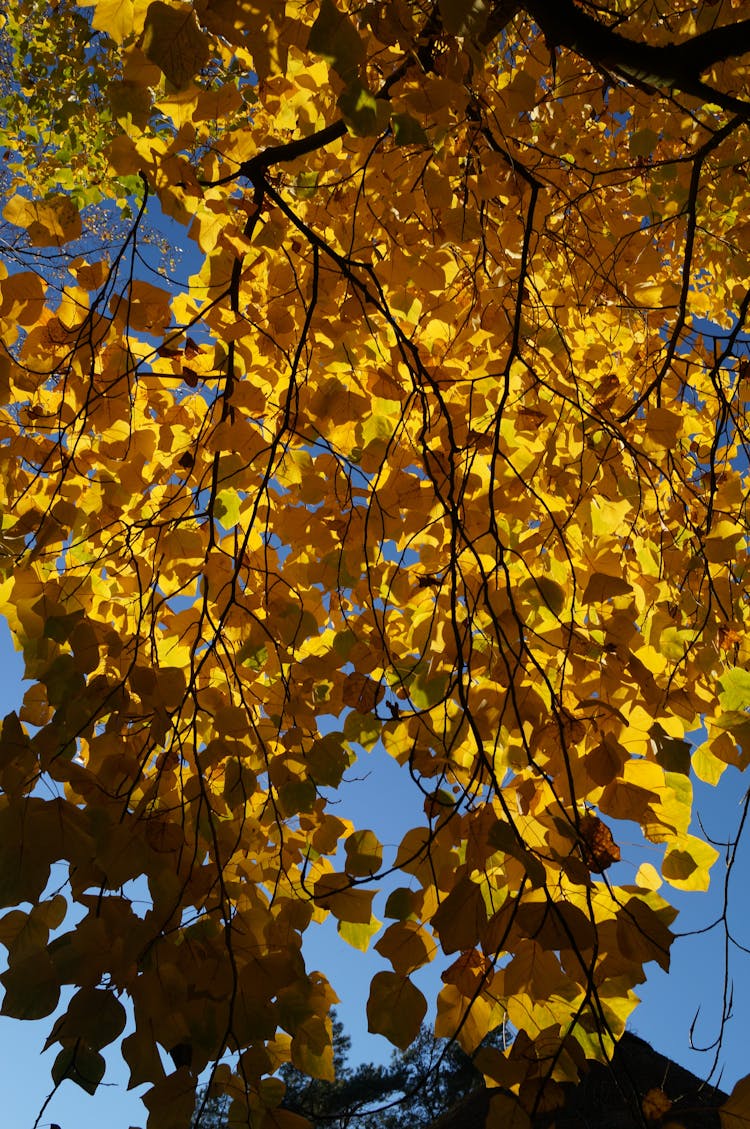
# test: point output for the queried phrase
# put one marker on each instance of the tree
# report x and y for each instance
(442, 445)
(313, 1097)
(340, 1103)
(432, 1075)
(418, 1085)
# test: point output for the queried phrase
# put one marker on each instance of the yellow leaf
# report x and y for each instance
(358, 935)
(283, 1119)
(655, 1104)
(148, 307)
(395, 1008)
(32, 988)
(721, 544)
(687, 863)
(23, 297)
(364, 854)
(347, 903)
(648, 877)
(49, 223)
(462, 1018)
(119, 18)
(506, 1112)
(367, 417)
(603, 587)
(227, 508)
(406, 946)
(706, 765)
(172, 39)
(460, 917)
(312, 1049)
(674, 642)
(663, 427)
(608, 517)
(532, 971)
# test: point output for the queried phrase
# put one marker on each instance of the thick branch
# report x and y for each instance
(256, 168)
(670, 67)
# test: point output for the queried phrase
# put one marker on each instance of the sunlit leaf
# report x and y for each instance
(358, 934)
(174, 41)
(336, 893)
(687, 863)
(50, 223)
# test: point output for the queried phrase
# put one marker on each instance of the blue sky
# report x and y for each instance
(381, 796)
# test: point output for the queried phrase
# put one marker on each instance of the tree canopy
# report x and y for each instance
(440, 449)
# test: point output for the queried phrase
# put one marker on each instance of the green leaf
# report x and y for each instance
(60, 627)
(327, 759)
(642, 143)
(358, 934)
(407, 131)
(63, 680)
(227, 508)
(687, 863)
(296, 796)
(672, 753)
(334, 37)
(402, 904)
(362, 729)
(366, 115)
(735, 694)
(81, 1064)
(427, 690)
(305, 184)
(459, 16)
(253, 655)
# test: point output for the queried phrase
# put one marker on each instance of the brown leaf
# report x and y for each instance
(361, 693)
(598, 848)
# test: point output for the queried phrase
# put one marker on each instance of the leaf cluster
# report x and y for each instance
(439, 451)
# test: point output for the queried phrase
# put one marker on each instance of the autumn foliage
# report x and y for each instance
(439, 450)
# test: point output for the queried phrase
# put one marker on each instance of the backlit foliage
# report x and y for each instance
(441, 450)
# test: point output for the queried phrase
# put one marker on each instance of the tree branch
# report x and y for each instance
(670, 67)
